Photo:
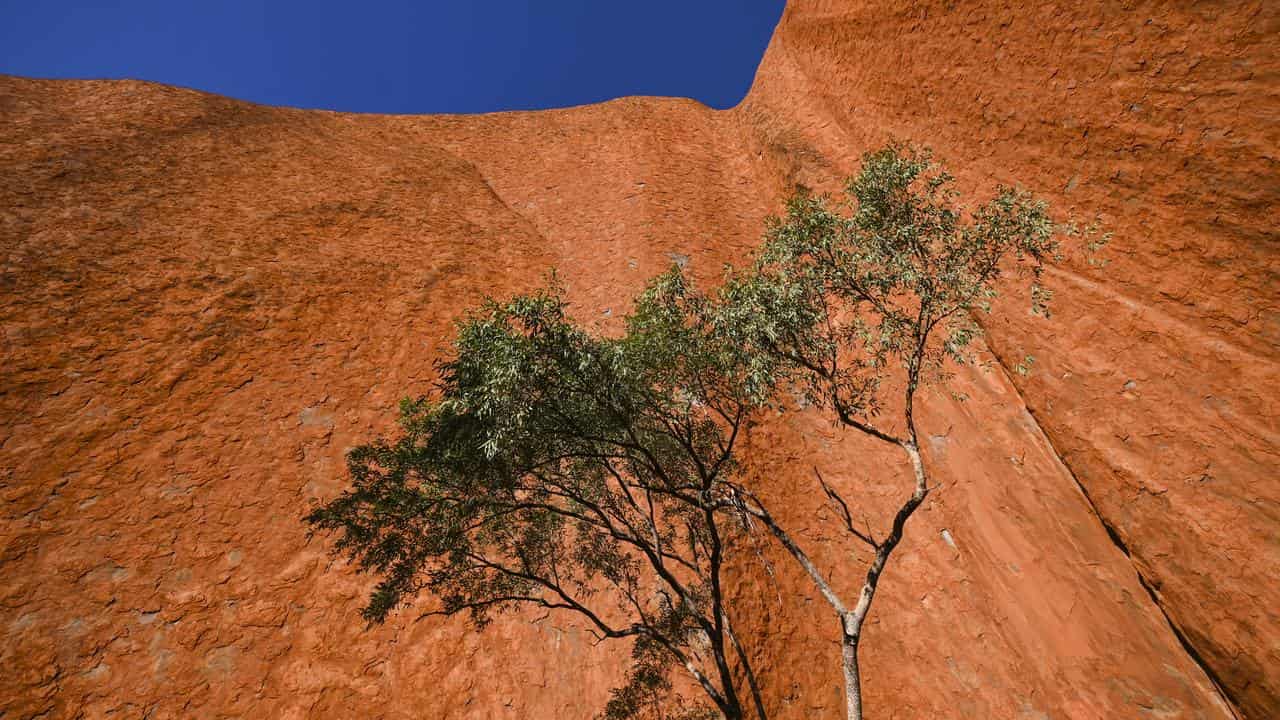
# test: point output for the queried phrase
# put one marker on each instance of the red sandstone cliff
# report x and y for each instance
(205, 302)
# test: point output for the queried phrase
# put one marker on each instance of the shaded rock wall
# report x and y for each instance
(205, 303)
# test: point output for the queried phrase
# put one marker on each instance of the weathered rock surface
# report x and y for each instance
(205, 302)
(1158, 384)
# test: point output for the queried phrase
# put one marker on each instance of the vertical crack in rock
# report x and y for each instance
(1224, 695)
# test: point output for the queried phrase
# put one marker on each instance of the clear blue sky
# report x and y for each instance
(400, 56)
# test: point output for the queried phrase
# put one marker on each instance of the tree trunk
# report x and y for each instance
(746, 668)
(732, 706)
(852, 681)
(732, 703)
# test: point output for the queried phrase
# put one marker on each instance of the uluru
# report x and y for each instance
(208, 303)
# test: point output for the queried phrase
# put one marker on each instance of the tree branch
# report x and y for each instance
(844, 511)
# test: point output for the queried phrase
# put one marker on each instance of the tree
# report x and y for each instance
(574, 473)
(846, 305)
(557, 469)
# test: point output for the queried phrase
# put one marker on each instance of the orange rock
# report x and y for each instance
(205, 303)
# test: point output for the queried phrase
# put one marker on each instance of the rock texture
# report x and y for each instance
(205, 302)
(1158, 385)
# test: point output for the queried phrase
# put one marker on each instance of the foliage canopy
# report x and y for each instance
(571, 472)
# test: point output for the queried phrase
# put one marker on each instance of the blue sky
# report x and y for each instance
(399, 56)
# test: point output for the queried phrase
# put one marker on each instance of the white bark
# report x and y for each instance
(852, 680)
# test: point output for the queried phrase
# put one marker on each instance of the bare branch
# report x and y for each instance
(839, 502)
(749, 503)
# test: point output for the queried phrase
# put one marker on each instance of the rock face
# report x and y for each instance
(205, 303)
(1158, 384)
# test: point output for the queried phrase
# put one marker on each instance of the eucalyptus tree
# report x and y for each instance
(860, 308)
(556, 469)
